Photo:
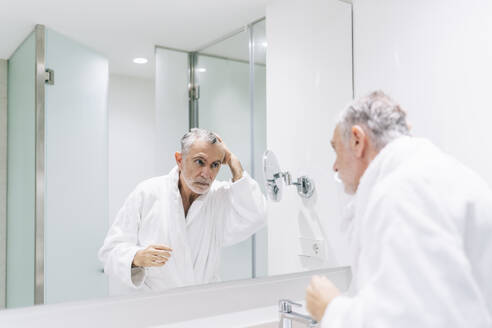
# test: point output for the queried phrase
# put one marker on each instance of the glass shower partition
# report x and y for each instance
(232, 102)
(21, 175)
(57, 171)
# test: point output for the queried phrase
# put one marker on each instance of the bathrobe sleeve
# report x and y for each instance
(412, 269)
(120, 245)
(245, 210)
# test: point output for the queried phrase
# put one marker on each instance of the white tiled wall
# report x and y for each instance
(433, 57)
(131, 142)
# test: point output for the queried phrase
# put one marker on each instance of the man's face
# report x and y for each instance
(348, 163)
(201, 165)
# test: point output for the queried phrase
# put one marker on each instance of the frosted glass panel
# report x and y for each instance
(225, 108)
(225, 105)
(21, 165)
(76, 218)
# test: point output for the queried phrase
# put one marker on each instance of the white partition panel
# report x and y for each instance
(131, 143)
(76, 196)
(132, 137)
(171, 101)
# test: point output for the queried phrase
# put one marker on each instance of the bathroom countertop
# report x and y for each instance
(240, 319)
(243, 303)
(259, 317)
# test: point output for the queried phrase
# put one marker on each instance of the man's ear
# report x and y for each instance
(358, 140)
(179, 159)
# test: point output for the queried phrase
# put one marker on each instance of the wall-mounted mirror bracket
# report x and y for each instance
(305, 185)
(275, 178)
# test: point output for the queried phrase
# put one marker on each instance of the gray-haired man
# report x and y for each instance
(420, 233)
(170, 230)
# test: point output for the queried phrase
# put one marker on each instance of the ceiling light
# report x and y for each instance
(265, 44)
(140, 60)
(201, 70)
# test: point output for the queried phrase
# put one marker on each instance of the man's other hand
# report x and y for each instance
(152, 256)
(319, 294)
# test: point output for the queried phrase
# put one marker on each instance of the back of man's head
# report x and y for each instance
(379, 115)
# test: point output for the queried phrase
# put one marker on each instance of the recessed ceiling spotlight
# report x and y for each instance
(140, 60)
(201, 70)
(265, 44)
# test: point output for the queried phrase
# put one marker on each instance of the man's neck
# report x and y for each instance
(187, 195)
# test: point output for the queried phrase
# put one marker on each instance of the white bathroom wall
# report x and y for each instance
(132, 136)
(434, 57)
(171, 103)
(132, 139)
(309, 80)
(3, 180)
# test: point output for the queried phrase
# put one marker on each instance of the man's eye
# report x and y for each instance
(215, 165)
(199, 162)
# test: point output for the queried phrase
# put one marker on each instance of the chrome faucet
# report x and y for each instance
(287, 315)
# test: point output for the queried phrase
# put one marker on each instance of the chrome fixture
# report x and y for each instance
(275, 178)
(287, 315)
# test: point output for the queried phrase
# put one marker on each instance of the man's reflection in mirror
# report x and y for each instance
(170, 230)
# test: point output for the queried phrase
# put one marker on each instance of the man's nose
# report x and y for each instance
(206, 172)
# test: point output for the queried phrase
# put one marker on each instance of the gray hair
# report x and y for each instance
(381, 117)
(196, 134)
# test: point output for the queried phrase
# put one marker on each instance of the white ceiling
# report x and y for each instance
(123, 29)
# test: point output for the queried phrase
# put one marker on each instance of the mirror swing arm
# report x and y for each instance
(305, 185)
(275, 178)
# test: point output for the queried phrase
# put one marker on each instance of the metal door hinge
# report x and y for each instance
(194, 92)
(49, 77)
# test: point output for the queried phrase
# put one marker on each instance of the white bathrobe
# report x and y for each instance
(421, 239)
(154, 214)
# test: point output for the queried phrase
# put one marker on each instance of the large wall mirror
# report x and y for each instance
(82, 126)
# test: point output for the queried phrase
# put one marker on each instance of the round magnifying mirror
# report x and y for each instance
(273, 176)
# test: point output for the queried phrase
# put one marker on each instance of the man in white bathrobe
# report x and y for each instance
(171, 229)
(421, 230)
